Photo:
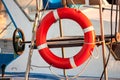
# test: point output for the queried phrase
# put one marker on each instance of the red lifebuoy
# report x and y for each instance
(82, 55)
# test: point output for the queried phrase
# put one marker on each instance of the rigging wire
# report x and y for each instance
(105, 64)
(116, 18)
(44, 10)
(5, 28)
(27, 5)
(110, 47)
(33, 37)
(21, 8)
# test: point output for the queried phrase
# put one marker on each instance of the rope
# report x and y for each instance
(106, 64)
(54, 73)
(88, 62)
(44, 10)
(95, 57)
(73, 77)
(94, 43)
(75, 6)
(116, 27)
(32, 44)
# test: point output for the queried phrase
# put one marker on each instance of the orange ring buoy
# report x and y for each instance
(82, 55)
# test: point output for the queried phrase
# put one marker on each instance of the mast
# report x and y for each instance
(103, 39)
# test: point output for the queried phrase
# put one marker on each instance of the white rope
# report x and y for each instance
(100, 42)
(55, 73)
(94, 42)
(76, 76)
(97, 56)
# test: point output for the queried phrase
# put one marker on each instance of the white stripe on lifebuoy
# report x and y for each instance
(72, 62)
(42, 46)
(88, 29)
(56, 16)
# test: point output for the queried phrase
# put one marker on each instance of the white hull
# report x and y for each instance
(95, 66)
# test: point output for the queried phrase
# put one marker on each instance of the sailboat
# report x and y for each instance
(26, 60)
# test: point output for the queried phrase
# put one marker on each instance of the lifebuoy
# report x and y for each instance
(82, 55)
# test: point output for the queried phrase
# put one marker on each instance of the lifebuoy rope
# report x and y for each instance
(72, 77)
